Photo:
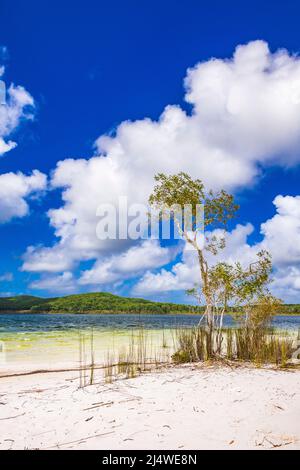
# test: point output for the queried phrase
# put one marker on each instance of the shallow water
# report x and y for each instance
(52, 340)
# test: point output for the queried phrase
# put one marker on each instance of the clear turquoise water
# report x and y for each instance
(51, 341)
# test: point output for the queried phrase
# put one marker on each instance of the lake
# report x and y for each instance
(19, 323)
(31, 341)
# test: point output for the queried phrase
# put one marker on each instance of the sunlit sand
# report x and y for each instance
(179, 408)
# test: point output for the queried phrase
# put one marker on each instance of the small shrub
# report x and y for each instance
(181, 357)
(258, 345)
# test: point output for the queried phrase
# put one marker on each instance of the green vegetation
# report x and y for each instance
(222, 287)
(100, 302)
(103, 302)
(174, 194)
(259, 345)
(20, 303)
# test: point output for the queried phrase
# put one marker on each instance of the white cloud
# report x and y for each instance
(282, 232)
(186, 273)
(181, 277)
(6, 146)
(60, 283)
(14, 189)
(250, 105)
(281, 237)
(245, 114)
(18, 106)
(43, 259)
(137, 259)
(111, 270)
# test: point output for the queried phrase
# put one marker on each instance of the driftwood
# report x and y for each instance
(77, 369)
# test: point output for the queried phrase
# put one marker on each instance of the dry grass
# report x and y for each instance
(257, 345)
(86, 359)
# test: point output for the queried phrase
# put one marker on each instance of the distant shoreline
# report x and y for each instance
(105, 303)
(29, 312)
(88, 312)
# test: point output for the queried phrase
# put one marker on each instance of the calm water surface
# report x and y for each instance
(19, 323)
(31, 341)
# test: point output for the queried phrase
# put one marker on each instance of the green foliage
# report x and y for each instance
(219, 209)
(257, 345)
(181, 357)
(180, 190)
(290, 309)
(195, 344)
(252, 282)
(170, 197)
(176, 189)
(260, 314)
(20, 303)
(100, 302)
(221, 282)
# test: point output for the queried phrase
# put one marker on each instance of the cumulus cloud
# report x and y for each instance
(148, 255)
(282, 232)
(249, 105)
(16, 106)
(286, 283)
(14, 189)
(245, 114)
(111, 270)
(281, 237)
(186, 273)
(43, 259)
(55, 283)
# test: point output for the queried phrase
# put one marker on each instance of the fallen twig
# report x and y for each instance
(80, 440)
(11, 417)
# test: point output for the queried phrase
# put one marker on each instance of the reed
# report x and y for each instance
(257, 345)
(109, 369)
(86, 367)
(81, 359)
(92, 367)
(139, 355)
(164, 341)
(260, 345)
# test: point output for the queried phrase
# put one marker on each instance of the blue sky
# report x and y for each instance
(93, 65)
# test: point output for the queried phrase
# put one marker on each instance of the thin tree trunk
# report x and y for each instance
(204, 276)
(219, 337)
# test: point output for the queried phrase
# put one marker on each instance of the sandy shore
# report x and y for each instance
(177, 408)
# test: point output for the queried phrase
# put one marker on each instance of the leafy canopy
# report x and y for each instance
(180, 190)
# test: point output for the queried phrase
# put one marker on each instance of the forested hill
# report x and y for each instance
(100, 302)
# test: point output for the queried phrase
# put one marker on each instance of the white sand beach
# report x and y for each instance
(187, 407)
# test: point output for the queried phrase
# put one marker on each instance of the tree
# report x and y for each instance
(251, 292)
(222, 284)
(170, 196)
